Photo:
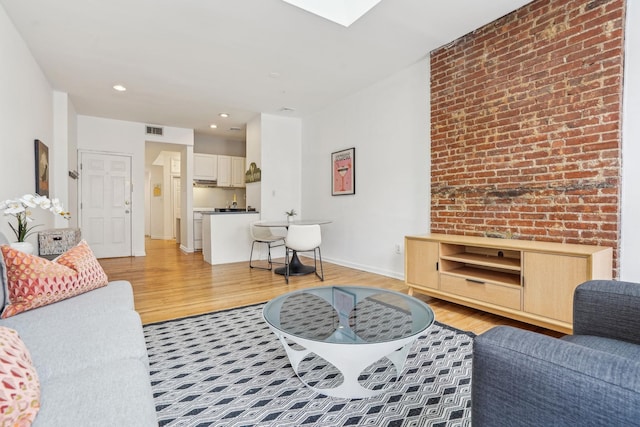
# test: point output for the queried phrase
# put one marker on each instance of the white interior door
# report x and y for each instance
(105, 204)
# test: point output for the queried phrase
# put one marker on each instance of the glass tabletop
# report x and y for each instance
(286, 224)
(348, 314)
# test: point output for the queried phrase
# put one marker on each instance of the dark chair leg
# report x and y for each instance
(251, 255)
(268, 256)
(321, 276)
(286, 265)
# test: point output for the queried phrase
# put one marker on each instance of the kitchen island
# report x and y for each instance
(226, 237)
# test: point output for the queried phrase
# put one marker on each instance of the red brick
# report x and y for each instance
(526, 121)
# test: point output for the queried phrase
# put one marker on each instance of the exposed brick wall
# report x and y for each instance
(526, 126)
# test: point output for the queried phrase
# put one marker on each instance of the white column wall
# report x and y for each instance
(281, 169)
(254, 154)
(630, 217)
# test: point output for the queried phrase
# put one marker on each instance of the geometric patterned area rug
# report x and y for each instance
(228, 369)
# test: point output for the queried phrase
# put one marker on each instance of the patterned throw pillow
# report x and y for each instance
(35, 282)
(81, 259)
(19, 385)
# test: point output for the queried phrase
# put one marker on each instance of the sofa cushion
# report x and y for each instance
(35, 282)
(608, 345)
(117, 393)
(19, 385)
(60, 346)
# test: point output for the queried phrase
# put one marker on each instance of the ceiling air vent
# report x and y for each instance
(154, 130)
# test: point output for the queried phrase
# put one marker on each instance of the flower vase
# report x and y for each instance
(25, 247)
(289, 218)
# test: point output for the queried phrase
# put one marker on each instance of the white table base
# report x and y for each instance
(349, 359)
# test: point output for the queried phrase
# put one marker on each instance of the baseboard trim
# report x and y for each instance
(368, 269)
(183, 248)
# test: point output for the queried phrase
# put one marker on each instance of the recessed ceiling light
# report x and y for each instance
(274, 75)
(213, 126)
(119, 88)
(287, 110)
(225, 115)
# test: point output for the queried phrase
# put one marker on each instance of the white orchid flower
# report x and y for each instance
(14, 207)
(56, 206)
(43, 202)
(29, 200)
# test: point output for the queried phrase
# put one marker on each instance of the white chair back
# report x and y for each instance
(263, 234)
(303, 237)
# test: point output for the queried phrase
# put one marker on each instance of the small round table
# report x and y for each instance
(351, 327)
(296, 268)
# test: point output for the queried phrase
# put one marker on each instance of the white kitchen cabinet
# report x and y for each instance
(205, 166)
(197, 231)
(231, 171)
(237, 172)
(224, 171)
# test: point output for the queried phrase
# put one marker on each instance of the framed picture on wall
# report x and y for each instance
(343, 173)
(42, 168)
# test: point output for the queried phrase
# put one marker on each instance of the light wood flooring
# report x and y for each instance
(170, 284)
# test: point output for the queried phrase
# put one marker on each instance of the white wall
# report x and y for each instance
(280, 187)
(72, 161)
(66, 157)
(156, 203)
(254, 154)
(630, 218)
(26, 113)
(213, 144)
(120, 137)
(388, 124)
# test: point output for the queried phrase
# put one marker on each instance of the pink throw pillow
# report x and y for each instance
(19, 385)
(35, 282)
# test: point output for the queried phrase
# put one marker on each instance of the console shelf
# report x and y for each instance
(528, 281)
(503, 263)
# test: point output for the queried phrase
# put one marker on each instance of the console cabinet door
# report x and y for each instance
(422, 263)
(549, 283)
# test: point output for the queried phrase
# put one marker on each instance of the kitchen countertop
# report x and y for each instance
(211, 211)
(228, 212)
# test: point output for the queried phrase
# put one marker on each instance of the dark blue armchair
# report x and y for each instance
(590, 378)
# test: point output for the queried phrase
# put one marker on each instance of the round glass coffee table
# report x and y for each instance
(351, 327)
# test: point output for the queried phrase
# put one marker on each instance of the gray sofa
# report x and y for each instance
(90, 356)
(590, 378)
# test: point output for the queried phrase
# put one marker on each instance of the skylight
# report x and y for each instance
(343, 12)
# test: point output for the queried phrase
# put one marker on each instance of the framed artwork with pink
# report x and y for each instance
(343, 173)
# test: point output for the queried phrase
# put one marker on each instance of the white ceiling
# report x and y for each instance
(185, 61)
